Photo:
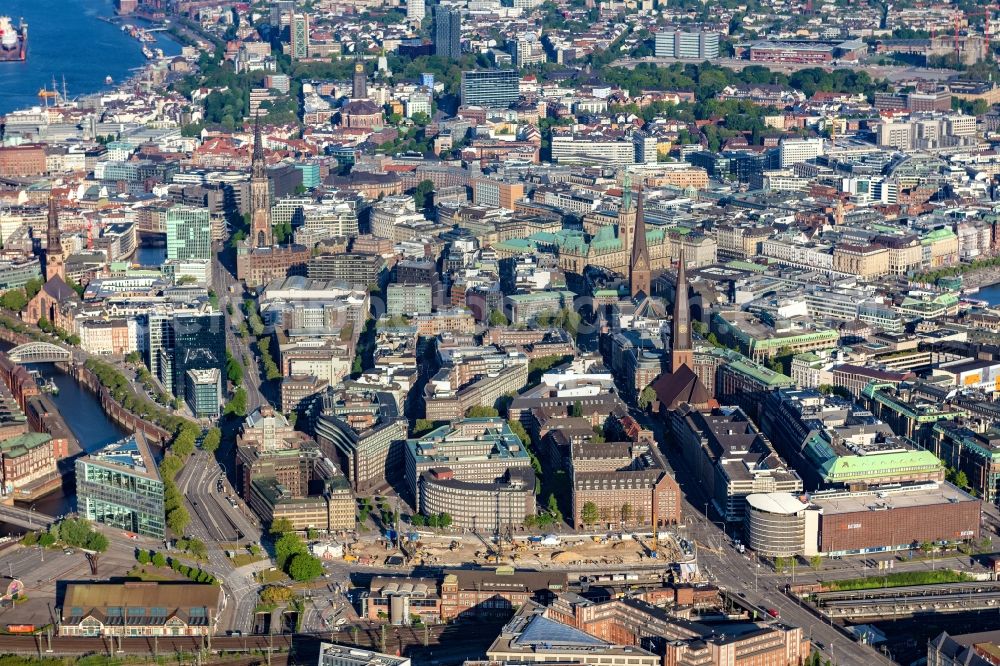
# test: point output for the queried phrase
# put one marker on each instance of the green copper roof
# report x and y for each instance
(938, 234)
(848, 468)
(746, 266)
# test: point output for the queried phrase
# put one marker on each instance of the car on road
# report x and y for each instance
(741, 595)
(773, 612)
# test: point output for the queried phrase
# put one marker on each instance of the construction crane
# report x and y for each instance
(987, 14)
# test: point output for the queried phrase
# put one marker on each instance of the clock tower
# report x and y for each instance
(360, 88)
(682, 351)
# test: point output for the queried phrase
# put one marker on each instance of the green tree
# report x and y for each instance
(421, 427)
(238, 404)
(14, 299)
(170, 466)
(159, 560)
(816, 562)
(286, 548)
(961, 479)
(552, 506)
(178, 519)
(142, 556)
(626, 512)
(184, 443)
(212, 440)
(234, 371)
(197, 547)
(646, 397)
(481, 411)
(577, 409)
(498, 318)
(47, 539)
(32, 287)
(588, 514)
(281, 526)
(423, 194)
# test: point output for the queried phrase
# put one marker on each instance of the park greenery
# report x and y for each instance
(75, 532)
(899, 579)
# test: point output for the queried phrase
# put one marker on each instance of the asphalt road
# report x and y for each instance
(214, 520)
(223, 281)
(720, 561)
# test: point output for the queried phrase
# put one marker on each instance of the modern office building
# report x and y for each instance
(203, 391)
(353, 268)
(189, 233)
(732, 457)
(415, 11)
(448, 31)
(120, 486)
(408, 299)
(845, 522)
(475, 470)
(199, 343)
(299, 25)
(368, 450)
(498, 88)
(699, 45)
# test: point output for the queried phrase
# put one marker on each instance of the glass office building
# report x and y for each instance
(189, 233)
(199, 344)
(498, 88)
(120, 486)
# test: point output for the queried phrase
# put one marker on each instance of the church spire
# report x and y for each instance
(639, 267)
(682, 352)
(53, 248)
(260, 194)
(258, 168)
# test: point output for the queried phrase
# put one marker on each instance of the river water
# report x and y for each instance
(990, 294)
(67, 38)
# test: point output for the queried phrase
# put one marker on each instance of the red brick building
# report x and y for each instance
(22, 161)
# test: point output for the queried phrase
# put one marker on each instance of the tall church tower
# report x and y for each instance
(53, 251)
(360, 88)
(626, 216)
(682, 352)
(639, 267)
(260, 194)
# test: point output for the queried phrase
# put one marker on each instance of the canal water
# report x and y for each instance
(94, 430)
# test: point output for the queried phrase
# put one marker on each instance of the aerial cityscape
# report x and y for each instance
(496, 332)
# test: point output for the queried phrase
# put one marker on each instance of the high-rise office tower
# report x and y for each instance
(415, 11)
(260, 194)
(492, 88)
(448, 31)
(199, 344)
(299, 25)
(189, 233)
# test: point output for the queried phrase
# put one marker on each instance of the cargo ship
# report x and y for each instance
(13, 41)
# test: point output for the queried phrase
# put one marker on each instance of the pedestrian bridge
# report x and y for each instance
(39, 352)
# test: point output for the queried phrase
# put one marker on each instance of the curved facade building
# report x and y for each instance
(775, 524)
(488, 506)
